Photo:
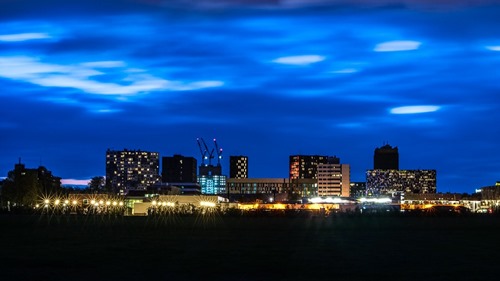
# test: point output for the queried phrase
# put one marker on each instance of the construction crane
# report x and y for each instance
(219, 152)
(210, 155)
(203, 153)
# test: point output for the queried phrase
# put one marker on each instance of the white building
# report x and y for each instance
(333, 180)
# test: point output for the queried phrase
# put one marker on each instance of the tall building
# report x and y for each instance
(178, 169)
(386, 158)
(212, 184)
(238, 167)
(305, 166)
(333, 180)
(131, 169)
(379, 182)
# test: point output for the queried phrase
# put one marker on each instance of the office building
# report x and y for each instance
(131, 169)
(212, 184)
(305, 166)
(178, 169)
(386, 158)
(333, 180)
(383, 182)
(238, 167)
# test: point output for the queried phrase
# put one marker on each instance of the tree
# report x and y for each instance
(97, 184)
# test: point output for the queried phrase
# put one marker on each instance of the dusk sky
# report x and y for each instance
(267, 78)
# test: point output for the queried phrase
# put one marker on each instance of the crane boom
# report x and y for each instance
(203, 153)
(219, 152)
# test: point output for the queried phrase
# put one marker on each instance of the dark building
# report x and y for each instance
(386, 158)
(238, 167)
(178, 169)
(305, 166)
(23, 187)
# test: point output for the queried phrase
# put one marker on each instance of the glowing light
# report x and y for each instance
(36, 206)
(101, 202)
(207, 204)
(299, 60)
(108, 203)
(46, 201)
(154, 202)
(397, 46)
(376, 200)
(66, 202)
(415, 109)
(121, 204)
(96, 204)
(74, 202)
(92, 202)
(114, 203)
(57, 202)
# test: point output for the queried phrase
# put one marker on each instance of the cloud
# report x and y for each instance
(493, 48)
(414, 109)
(299, 60)
(104, 64)
(397, 46)
(23, 37)
(80, 77)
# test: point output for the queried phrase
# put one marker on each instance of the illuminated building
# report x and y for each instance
(386, 158)
(238, 167)
(396, 181)
(333, 180)
(212, 184)
(178, 169)
(305, 166)
(257, 185)
(131, 169)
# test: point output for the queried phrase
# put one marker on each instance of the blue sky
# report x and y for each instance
(268, 79)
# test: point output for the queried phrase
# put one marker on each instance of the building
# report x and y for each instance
(131, 169)
(238, 167)
(358, 189)
(305, 166)
(257, 185)
(333, 180)
(212, 184)
(386, 158)
(379, 182)
(178, 169)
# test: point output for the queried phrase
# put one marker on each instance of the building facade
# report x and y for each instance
(178, 169)
(131, 169)
(212, 184)
(380, 182)
(238, 167)
(386, 158)
(305, 166)
(333, 180)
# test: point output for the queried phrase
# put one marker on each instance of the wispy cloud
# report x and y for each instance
(414, 109)
(299, 60)
(74, 182)
(80, 77)
(493, 48)
(397, 46)
(23, 37)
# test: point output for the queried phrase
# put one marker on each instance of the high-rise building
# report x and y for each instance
(131, 169)
(178, 169)
(333, 179)
(305, 166)
(380, 182)
(212, 184)
(386, 158)
(238, 167)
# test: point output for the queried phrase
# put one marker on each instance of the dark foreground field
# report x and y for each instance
(228, 248)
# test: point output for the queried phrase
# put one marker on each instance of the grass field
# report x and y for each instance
(249, 248)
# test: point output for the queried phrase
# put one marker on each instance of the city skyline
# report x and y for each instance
(268, 79)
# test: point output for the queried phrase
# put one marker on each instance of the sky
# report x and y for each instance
(266, 78)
